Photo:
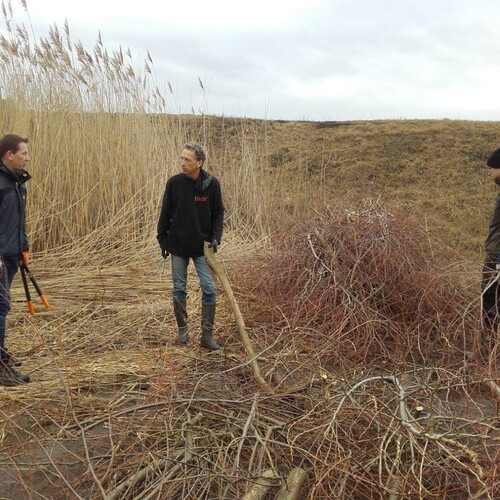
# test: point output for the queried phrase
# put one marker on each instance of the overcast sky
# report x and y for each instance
(304, 59)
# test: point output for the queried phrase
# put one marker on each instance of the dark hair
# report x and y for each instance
(10, 142)
(197, 150)
(494, 159)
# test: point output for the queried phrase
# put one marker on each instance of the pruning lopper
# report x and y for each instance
(25, 272)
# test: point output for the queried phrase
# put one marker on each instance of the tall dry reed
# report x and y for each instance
(104, 139)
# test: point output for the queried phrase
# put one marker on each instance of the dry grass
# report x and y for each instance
(431, 170)
(112, 397)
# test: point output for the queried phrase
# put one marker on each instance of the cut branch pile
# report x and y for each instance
(371, 395)
(366, 285)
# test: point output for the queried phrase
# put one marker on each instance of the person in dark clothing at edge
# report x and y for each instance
(491, 269)
(13, 241)
(192, 212)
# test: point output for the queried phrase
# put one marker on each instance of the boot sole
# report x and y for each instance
(13, 384)
(211, 348)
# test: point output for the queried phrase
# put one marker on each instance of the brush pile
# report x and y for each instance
(367, 285)
(361, 337)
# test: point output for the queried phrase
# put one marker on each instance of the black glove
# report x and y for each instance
(164, 253)
(213, 244)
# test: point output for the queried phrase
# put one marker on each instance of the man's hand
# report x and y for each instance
(214, 244)
(164, 253)
(25, 257)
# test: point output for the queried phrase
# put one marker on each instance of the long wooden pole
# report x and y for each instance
(245, 339)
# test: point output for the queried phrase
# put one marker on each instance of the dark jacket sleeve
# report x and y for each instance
(165, 217)
(25, 244)
(217, 214)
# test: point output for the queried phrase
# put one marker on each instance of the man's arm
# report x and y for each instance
(25, 243)
(165, 218)
(217, 215)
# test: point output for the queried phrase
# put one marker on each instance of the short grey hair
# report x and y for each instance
(197, 150)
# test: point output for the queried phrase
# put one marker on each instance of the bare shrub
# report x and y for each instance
(366, 285)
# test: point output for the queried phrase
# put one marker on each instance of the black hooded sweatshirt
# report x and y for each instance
(192, 212)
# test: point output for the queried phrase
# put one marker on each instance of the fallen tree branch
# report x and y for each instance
(142, 474)
(493, 387)
(221, 274)
(262, 486)
(293, 484)
(441, 439)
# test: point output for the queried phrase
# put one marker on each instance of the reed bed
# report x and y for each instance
(104, 139)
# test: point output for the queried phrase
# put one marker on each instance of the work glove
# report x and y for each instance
(164, 253)
(25, 257)
(214, 244)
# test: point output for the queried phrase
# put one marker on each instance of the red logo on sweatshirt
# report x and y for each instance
(201, 198)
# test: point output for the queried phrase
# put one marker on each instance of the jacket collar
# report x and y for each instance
(203, 181)
(21, 178)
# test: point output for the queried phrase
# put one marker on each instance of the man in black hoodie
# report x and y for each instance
(13, 241)
(192, 213)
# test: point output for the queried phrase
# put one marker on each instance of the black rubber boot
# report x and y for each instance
(11, 360)
(9, 376)
(180, 313)
(207, 327)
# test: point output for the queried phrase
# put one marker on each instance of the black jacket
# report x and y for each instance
(192, 212)
(13, 239)
(492, 243)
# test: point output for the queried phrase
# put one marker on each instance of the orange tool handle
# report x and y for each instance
(31, 309)
(45, 302)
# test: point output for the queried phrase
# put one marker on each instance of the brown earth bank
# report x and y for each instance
(432, 170)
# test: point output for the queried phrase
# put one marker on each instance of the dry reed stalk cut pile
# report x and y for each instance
(115, 410)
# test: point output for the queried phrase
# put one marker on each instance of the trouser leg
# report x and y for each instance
(9, 376)
(2, 333)
(180, 313)
(179, 294)
(490, 297)
(8, 269)
(179, 277)
(207, 282)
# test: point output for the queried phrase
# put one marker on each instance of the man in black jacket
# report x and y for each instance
(192, 213)
(13, 241)
(491, 268)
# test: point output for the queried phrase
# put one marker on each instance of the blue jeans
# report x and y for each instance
(7, 272)
(179, 279)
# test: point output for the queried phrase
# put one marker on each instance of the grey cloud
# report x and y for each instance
(404, 51)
